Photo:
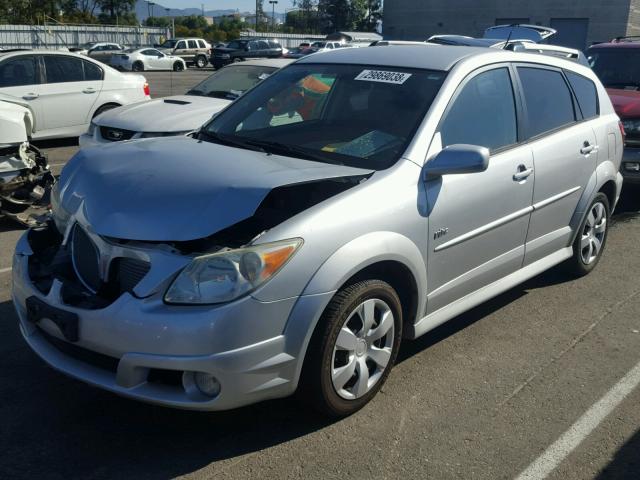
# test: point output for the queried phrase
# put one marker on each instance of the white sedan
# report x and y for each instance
(140, 59)
(64, 91)
(180, 114)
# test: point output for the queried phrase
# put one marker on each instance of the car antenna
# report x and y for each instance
(509, 37)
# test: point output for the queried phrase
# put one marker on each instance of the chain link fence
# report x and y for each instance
(65, 36)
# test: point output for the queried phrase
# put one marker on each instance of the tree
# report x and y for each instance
(120, 11)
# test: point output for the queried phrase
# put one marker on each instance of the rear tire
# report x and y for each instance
(591, 238)
(353, 348)
(201, 61)
(137, 67)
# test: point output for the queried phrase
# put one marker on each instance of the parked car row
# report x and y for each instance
(348, 201)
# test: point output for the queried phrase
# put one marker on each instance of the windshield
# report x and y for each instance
(616, 67)
(362, 116)
(169, 44)
(231, 81)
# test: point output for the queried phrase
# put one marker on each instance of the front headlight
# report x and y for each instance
(92, 129)
(631, 126)
(224, 276)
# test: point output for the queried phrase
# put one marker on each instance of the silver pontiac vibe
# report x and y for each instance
(351, 200)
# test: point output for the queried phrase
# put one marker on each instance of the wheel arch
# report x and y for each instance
(605, 179)
(387, 256)
(96, 112)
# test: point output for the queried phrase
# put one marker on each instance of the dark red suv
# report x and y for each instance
(617, 64)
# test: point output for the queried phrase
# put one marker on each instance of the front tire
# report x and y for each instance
(592, 236)
(178, 67)
(353, 348)
(201, 61)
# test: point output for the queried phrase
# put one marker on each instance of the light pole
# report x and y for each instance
(273, 14)
(173, 23)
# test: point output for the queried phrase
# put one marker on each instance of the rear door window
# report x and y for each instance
(193, 44)
(92, 72)
(586, 93)
(262, 45)
(548, 100)
(483, 113)
(18, 71)
(61, 69)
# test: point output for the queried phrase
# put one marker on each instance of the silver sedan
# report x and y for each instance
(141, 59)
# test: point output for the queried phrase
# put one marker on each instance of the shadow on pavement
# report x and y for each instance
(53, 426)
(626, 462)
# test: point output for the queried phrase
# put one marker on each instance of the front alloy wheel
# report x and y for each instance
(353, 348)
(363, 349)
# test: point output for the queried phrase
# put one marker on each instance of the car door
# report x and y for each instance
(478, 221)
(263, 49)
(564, 152)
(20, 77)
(153, 59)
(181, 50)
(68, 96)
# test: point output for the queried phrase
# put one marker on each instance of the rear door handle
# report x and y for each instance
(89, 90)
(30, 96)
(522, 174)
(587, 148)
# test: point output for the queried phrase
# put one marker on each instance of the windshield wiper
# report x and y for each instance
(199, 93)
(230, 142)
(278, 148)
(218, 94)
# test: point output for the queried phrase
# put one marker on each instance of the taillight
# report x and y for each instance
(146, 89)
(624, 134)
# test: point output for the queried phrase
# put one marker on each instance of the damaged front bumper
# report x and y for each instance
(144, 349)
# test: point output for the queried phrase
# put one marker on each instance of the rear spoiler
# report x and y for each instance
(552, 51)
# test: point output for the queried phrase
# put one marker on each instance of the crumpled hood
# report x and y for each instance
(177, 188)
(170, 114)
(625, 102)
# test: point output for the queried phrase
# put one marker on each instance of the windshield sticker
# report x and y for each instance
(397, 78)
(263, 76)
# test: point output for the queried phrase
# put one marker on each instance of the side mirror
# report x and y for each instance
(457, 159)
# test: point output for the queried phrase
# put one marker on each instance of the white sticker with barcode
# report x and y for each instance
(397, 78)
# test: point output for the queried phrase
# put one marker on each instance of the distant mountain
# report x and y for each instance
(143, 10)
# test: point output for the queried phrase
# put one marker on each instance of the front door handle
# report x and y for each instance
(30, 96)
(89, 90)
(587, 148)
(523, 173)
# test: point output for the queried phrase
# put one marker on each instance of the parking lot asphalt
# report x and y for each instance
(483, 396)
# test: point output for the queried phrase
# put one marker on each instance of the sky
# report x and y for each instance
(242, 5)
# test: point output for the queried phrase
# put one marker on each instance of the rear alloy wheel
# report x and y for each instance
(178, 67)
(353, 348)
(138, 67)
(201, 62)
(592, 236)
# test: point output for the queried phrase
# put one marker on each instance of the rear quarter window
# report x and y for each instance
(586, 93)
(548, 100)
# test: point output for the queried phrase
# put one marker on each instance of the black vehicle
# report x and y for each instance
(238, 50)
